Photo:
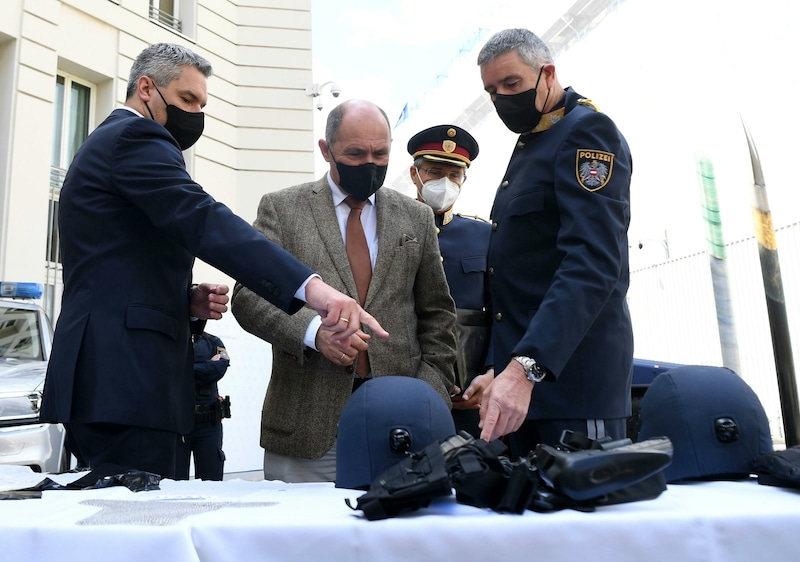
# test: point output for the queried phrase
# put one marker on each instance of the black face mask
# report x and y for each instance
(360, 181)
(184, 126)
(518, 111)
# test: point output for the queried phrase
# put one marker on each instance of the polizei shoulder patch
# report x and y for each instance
(593, 168)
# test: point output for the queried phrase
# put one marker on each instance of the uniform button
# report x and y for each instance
(498, 317)
(494, 226)
(441, 258)
(491, 271)
(504, 184)
(520, 144)
(438, 230)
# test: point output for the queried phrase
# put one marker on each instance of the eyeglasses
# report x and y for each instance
(456, 176)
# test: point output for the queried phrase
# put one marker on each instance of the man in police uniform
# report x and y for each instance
(558, 257)
(442, 155)
(211, 361)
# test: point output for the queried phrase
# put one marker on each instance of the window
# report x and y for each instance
(166, 12)
(71, 119)
(72, 108)
(177, 15)
(19, 334)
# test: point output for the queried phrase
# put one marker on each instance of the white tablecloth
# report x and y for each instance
(240, 520)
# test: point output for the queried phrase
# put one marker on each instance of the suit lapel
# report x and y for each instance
(386, 243)
(324, 215)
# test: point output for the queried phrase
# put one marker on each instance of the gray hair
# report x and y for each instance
(532, 50)
(335, 118)
(164, 62)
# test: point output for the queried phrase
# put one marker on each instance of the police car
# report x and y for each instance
(26, 337)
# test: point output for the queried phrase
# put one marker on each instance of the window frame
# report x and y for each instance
(62, 151)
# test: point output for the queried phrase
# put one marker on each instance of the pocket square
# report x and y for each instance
(406, 239)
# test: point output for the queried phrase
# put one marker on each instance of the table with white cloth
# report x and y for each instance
(241, 520)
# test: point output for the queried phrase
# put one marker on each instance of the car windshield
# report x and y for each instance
(19, 335)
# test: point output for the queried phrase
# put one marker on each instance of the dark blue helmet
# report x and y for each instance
(715, 421)
(384, 420)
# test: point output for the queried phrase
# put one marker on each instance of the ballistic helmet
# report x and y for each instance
(715, 421)
(384, 420)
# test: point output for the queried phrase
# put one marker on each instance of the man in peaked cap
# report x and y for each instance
(442, 155)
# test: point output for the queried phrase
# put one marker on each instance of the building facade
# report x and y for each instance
(64, 67)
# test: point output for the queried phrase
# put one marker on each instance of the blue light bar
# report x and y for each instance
(20, 290)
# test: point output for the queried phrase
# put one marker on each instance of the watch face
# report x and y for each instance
(538, 373)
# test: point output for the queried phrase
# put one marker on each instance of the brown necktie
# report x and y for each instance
(360, 265)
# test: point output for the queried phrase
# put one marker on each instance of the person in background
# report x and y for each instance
(558, 257)
(442, 154)
(370, 242)
(131, 222)
(204, 442)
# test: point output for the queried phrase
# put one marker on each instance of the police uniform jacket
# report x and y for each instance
(131, 221)
(207, 372)
(558, 263)
(464, 243)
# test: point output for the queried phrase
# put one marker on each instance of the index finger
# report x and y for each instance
(369, 321)
(220, 289)
(490, 420)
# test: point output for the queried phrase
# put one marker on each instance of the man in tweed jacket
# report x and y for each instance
(311, 378)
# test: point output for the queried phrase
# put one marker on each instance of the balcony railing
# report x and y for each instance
(165, 18)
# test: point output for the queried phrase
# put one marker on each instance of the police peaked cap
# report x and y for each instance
(448, 144)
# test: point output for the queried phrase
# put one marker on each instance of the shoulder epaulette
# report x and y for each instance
(476, 217)
(588, 103)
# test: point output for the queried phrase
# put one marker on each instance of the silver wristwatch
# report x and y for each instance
(534, 371)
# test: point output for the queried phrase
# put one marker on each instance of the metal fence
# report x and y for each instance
(674, 315)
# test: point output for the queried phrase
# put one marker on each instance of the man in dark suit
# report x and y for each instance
(558, 257)
(311, 379)
(131, 222)
(442, 154)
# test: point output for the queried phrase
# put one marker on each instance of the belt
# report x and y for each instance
(204, 413)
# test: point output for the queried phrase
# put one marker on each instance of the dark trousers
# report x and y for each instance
(205, 441)
(467, 420)
(136, 448)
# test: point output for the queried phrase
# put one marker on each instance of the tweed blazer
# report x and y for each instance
(408, 295)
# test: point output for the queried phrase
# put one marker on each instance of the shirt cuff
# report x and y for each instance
(310, 339)
(301, 292)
